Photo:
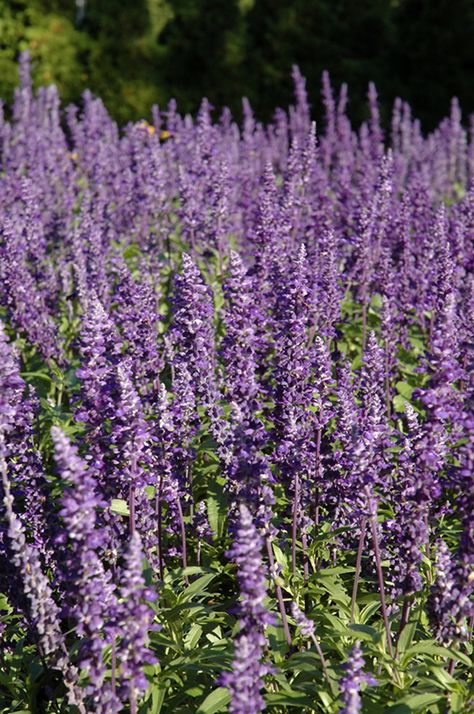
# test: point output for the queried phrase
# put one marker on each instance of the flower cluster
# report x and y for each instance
(246, 679)
(215, 333)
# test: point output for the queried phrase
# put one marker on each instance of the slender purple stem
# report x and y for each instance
(360, 550)
(405, 616)
(317, 476)
(279, 594)
(364, 322)
(388, 399)
(378, 565)
(159, 514)
(294, 527)
(304, 542)
(113, 666)
(131, 509)
(183, 539)
(322, 660)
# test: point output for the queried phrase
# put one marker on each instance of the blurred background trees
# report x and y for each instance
(139, 52)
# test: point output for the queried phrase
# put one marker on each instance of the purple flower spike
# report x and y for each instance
(245, 681)
(90, 596)
(192, 332)
(246, 552)
(450, 600)
(136, 620)
(43, 612)
(351, 682)
(304, 623)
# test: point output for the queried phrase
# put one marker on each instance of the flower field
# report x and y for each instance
(236, 410)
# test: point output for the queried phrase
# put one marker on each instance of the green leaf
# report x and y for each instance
(430, 647)
(405, 389)
(280, 557)
(198, 586)
(399, 403)
(190, 570)
(302, 662)
(157, 696)
(216, 507)
(415, 703)
(132, 251)
(216, 701)
(365, 632)
(36, 375)
(150, 491)
(193, 636)
(335, 589)
(213, 514)
(445, 679)
(194, 692)
(289, 698)
(369, 610)
(120, 506)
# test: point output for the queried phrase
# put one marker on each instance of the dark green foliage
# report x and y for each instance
(136, 53)
(350, 39)
(434, 56)
(203, 48)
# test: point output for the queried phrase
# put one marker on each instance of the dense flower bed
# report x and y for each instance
(236, 411)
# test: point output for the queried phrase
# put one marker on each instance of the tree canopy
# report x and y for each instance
(134, 54)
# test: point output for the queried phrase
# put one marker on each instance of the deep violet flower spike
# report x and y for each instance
(100, 349)
(408, 531)
(304, 623)
(193, 344)
(43, 613)
(245, 681)
(192, 332)
(90, 595)
(246, 553)
(138, 319)
(352, 680)
(12, 385)
(448, 604)
(131, 434)
(24, 464)
(238, 347)
(136, 620)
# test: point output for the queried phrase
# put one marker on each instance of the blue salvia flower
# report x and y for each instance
(89, 592)
(100, 349)
(450, 600)
(135, 622)
(352, 680)
(247, 468)
(18, 411)
(304, 623)
(193, 342)
(192, 331)
(245, 681)
(43, 612)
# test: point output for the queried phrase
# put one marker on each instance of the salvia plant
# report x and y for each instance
(236, 410)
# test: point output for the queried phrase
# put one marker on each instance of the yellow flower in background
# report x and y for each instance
(149, 127)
